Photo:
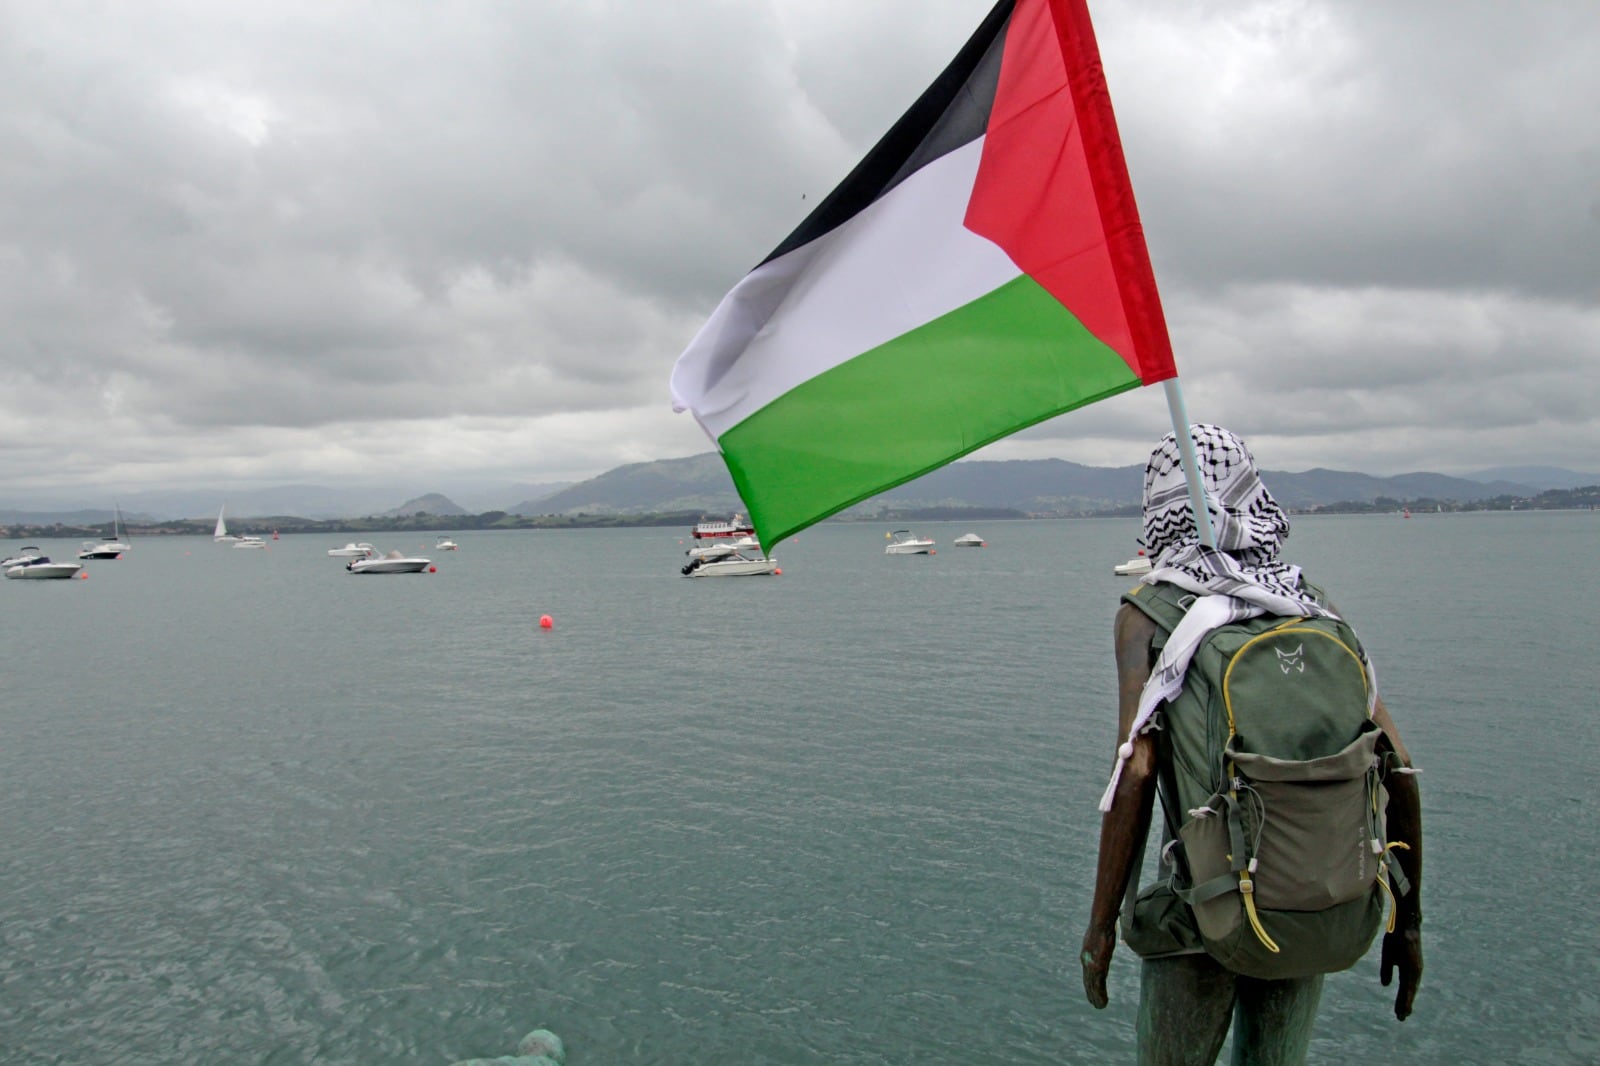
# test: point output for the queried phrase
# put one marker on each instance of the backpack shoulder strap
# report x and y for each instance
(1164, 604)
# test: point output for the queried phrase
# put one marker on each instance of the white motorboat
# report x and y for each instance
(100, 549)
(107, 549)
(1139, 564)
(220, 535)
(730, 562)
(249, 540)
(29, 564)
(716, 528)
(353, 550)
(445, 544)
(28, 554)
(717, 548)
(904, 542)
(969, 540)
(392, 563)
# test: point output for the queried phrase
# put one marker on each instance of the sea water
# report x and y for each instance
(254, 809)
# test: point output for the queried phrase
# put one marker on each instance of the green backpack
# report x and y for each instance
(1271, 783)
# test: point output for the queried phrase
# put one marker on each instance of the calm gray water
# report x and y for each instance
(254, 809)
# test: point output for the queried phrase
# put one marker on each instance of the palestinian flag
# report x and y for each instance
(981, 270)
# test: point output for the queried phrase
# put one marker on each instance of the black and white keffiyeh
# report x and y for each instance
(1240, 578)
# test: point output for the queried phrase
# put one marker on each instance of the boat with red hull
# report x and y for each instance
(737, 526)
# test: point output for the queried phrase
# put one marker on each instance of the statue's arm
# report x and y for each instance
(1402, 949)
(1122, 829)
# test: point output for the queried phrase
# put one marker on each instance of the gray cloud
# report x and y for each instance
(1352, 144)
(312, 242)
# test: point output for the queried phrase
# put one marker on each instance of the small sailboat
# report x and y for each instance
(221, 534)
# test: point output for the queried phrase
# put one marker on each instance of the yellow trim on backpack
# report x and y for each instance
(1247, 889)
(1394, 904)
(1286, 627)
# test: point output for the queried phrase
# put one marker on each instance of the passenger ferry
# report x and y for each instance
(737, 526)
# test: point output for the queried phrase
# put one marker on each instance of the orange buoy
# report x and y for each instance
(777, 571)
(546, 622)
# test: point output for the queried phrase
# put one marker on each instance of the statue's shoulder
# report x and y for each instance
(1136, 634)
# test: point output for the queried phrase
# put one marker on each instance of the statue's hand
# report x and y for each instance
(1096, 959)
(1402, 950)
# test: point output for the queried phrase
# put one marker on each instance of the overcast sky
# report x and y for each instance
(459, 243)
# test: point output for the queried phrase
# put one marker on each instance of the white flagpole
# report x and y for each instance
(1191, 466)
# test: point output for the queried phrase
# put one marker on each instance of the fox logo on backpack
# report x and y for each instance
(1270, 768)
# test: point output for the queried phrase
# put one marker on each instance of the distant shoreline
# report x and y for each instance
(1582, 499)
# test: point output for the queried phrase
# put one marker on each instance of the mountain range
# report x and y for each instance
(701, 483)
(1035, 486)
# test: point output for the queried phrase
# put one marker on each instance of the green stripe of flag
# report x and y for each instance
(1003, 362)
